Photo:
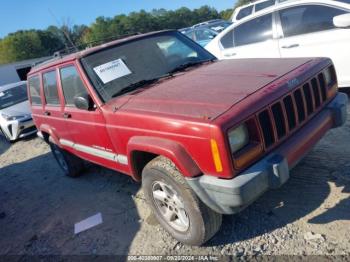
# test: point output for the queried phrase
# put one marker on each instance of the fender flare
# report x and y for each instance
(164, 147)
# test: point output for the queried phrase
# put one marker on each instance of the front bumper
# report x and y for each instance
(18, 128)
(231, 196)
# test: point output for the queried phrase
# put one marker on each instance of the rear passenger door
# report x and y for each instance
(251, 39)
(87, 128)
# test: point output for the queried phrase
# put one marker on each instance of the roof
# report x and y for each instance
(77, 55)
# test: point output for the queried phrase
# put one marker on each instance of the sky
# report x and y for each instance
(39, 14)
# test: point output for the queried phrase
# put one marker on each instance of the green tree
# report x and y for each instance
(240, 3)
(23, 45)
(226, 14)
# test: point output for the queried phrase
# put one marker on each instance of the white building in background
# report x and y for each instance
(16, 72)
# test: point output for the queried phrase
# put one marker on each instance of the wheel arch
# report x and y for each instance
(49, 135)
(142, 149)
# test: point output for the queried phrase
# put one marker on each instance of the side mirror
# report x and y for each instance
(342, 21)
(83, 101)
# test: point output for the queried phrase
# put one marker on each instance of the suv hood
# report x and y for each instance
(210, 90)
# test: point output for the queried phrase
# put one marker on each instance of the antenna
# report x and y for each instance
(63, 31)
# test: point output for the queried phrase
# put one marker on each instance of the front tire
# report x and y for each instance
(176, 206)
(69, 163)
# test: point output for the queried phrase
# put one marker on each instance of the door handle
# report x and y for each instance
(230, 54)
(290, 46)
(67, 115)
(47, 113)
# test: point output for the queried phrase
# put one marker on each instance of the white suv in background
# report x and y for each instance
(15, 114)
(303, 28)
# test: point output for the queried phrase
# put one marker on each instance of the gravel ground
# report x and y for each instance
(39, 207)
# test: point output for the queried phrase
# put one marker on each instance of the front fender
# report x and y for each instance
(53, 138)
(164, 147)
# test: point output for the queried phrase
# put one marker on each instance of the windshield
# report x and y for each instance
(114, 69)
(13, 96)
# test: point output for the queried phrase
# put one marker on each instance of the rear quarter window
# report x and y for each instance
(34, 90)
(264, 5)
(245, 12)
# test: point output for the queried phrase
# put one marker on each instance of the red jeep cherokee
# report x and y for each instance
(205, 137)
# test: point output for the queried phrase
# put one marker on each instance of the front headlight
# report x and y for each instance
(238, 138)
(11, 118)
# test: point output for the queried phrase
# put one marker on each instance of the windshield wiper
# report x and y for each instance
(184, 66)
(139, 84)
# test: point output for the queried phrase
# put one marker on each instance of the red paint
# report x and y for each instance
(178, 116)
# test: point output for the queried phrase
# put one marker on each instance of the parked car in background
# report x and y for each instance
(205, 137)
(204, 32)
(15, 114)
(217, 25)
(200, 35)
(303, 28)
(249, 9)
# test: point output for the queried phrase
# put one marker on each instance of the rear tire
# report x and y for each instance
(70, 164)
(176, 206)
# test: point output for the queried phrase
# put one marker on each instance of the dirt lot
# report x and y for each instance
(39, 207)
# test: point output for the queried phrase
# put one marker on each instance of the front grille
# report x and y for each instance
(25, 120)
(308, 99)
(266, 127)
(293, 110)
(279, 119)
(28, 130)
(299, 101)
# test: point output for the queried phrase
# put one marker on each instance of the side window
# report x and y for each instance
(71, 84)
(227, 40)
(244, 12)
(264, 5)
(34, 90)
(254, 31)
(308, 19)
(50, 88)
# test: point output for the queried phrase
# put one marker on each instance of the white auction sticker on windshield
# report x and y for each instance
(112, 70)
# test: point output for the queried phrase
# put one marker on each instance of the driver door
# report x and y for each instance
(87, 128)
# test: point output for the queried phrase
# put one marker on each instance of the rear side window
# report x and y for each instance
(71, 84)
(244, 12)
(254, 31)
(264, 5)
(34, 90)
(50, 88)
(308, 19)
